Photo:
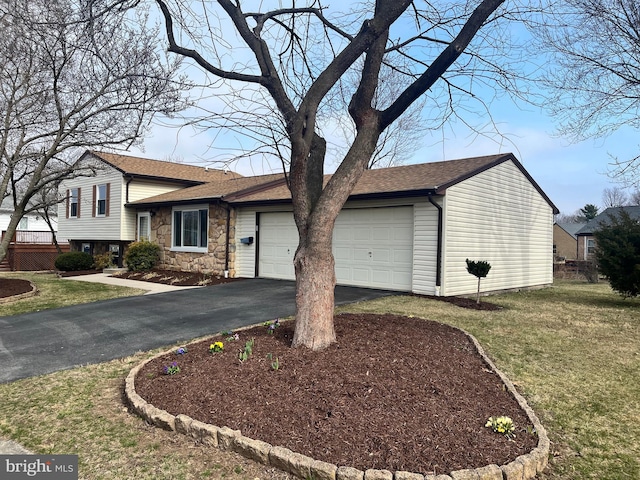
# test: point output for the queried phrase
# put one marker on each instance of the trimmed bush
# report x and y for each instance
(479, 269)
(142, 256)
(73, 261)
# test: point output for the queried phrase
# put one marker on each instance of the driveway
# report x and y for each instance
(44, 342)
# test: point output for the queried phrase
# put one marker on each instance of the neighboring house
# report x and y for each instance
(94, 218)
(407, 228)
(33, 222)
(586, 240)
(565, 241)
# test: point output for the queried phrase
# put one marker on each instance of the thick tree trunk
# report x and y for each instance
(315, 285)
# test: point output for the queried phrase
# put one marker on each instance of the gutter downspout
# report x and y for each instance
(439, 247)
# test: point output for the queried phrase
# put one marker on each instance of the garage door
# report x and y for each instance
(372, 247)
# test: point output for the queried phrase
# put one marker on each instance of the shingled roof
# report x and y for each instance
(158, 169)
(215, 190)
(407, 180)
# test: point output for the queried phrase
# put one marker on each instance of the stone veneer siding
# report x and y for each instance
(212, 262)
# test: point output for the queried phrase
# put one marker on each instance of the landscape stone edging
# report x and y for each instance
(21, 296)
(524, 467)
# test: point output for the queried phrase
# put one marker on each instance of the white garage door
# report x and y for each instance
(372, 247)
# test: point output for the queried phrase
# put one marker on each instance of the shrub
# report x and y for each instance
(103, 260)
(73, 261)
(618, 253)
(479, 269)
(142, 256)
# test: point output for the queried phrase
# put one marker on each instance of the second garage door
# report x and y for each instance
(373, 247)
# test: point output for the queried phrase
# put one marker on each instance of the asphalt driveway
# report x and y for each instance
(43, 342)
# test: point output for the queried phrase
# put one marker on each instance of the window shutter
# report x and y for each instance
(68, 203)
(106, 208)
(93, 202)
(79, 202)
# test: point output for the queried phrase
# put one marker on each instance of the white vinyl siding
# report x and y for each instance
(141, 189)
(425, 247)
(497, 216)
(87, 226)
(245, 255)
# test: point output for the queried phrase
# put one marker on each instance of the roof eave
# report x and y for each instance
(361, 196)
(170, 203)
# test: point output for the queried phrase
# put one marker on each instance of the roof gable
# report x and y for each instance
(571, 228)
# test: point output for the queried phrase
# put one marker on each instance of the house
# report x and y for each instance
(31, 246)
(565, 241)
(94, 218)
(33, 222)
(586, 240)
(407, 228)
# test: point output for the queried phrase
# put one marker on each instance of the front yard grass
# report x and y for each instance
(54, 292)
(573, 350)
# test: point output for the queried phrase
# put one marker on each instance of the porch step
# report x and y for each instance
(4, 266)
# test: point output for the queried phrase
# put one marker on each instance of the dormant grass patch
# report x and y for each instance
(573, 350)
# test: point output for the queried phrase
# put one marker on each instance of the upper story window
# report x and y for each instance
(591, 245)
(190, 229)
(73, 203)
(101, 200)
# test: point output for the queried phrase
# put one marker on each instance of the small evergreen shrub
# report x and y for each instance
(142, 256)
(73, 261)
(479, 269)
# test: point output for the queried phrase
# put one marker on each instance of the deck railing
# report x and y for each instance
(31, 237)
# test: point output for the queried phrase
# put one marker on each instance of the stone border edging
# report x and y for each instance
(524, 467)
(21, 296)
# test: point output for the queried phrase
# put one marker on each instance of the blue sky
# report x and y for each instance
(572, 174)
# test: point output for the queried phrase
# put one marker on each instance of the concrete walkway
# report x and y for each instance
(107, 279)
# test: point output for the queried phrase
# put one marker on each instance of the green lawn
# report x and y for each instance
(573, 350)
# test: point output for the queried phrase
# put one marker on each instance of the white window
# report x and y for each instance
(591, 246)
(144, 227)
(74, 203)
(190, 228)
(23, 224)
(101, 200)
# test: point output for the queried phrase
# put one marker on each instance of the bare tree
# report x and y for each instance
(70, 80)
(614, 197)
(596, 73)
(574, 217)
(634, 198)
(292, 60)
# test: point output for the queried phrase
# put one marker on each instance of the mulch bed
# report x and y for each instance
(13, 286)
(393, 393)
(170, 277)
